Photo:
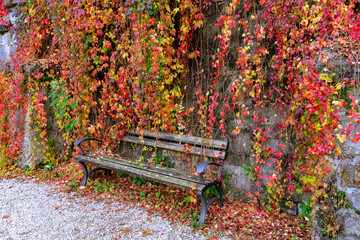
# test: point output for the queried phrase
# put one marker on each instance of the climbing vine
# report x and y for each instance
(262, 67)
(3, 13)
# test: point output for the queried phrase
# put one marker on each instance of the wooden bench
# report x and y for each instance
(208, 149)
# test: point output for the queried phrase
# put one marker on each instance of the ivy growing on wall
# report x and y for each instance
(192, 66)
(3, 12)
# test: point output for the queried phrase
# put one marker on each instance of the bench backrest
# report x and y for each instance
(180, 143)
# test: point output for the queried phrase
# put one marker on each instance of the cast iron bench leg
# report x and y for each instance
(108, 172)
(87, 173)
(219, 194)
(205, 205)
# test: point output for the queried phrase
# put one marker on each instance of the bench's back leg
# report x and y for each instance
(108, 172)
(87, 173)
(219, 194)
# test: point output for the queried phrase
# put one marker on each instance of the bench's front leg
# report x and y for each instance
(86, 173)
(205, 205)
(203, 208)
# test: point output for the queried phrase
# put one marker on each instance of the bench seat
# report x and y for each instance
(151, 172)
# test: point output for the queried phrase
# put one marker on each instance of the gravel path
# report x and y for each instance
(30, 210)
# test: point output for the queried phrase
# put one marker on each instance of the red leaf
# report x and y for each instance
(133, 17)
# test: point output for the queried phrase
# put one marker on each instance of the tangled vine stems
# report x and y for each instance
(113, 65)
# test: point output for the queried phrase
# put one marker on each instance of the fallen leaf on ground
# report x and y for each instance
(192, 199)
(125, 230)
(6, 216)
(251, 208)
(149, 231)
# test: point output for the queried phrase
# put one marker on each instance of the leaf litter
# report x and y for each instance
(236, 219)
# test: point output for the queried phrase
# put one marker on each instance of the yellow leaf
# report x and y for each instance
(341, 138)
(192, 199)
(167, 7)
(251, 208)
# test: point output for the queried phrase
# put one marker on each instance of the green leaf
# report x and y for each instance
(74, 105)
(70, 125)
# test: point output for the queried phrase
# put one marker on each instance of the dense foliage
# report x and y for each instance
(168, 65)
(3, 13)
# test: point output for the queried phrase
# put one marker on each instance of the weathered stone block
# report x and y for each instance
(344, 237)
(353, 195)
(316, 225)
(339, 65)
(348, 179)
(36, 150)
(32, 151)
(350, 222)
(241, 144)
(348, 175)
(239, 182)
(6, 47)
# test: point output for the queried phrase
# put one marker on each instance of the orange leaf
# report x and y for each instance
(149, 231)
(125, 230)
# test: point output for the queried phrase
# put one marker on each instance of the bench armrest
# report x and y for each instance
(200, 169)
(78, 143)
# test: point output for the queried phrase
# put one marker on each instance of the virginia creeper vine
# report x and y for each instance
(106, 66)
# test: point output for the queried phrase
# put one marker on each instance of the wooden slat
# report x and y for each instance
(198, 141)
(157, 169)
(176, 147)
(143, 173)
(148, 167)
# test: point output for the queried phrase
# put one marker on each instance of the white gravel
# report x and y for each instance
(30, 210)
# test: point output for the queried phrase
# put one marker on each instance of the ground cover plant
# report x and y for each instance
(208, 68)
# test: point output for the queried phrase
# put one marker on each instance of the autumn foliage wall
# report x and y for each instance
(191, 66)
